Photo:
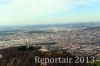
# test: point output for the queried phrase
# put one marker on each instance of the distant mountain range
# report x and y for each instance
(39, 27)
(93, 28)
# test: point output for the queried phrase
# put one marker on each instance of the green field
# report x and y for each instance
(97, 63)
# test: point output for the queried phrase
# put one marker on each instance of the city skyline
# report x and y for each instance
(25, 12)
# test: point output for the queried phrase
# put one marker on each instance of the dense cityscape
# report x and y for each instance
(49, 32)
(79, 41)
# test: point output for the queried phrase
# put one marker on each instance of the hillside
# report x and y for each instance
(23, 56)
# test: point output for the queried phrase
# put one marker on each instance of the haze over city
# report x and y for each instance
(26, 12)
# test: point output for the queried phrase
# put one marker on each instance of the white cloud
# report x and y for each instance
(30, 9)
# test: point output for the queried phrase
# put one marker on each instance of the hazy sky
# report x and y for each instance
(24, 12)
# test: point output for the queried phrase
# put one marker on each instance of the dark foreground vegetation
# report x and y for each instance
(25, 56)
